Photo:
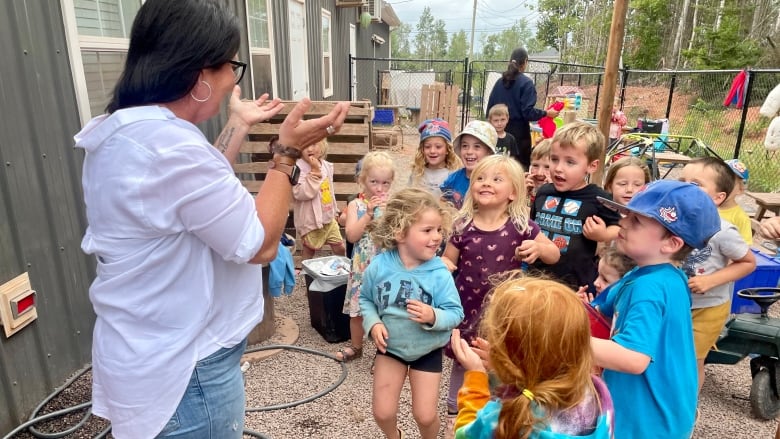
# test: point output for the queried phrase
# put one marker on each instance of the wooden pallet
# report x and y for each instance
(345, 149)
(440, 100)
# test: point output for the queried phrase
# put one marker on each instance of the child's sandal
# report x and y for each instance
(349, 353)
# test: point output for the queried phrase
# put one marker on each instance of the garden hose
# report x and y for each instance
(35, 418)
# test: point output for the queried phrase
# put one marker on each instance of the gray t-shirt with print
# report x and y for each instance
(725, 246)
(431, 180)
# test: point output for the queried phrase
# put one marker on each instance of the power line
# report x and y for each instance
(490, 9)
(512, 22)
(467, 32)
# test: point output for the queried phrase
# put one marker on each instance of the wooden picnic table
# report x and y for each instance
(766, 201)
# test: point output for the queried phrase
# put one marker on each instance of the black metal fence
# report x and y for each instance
(692, 100)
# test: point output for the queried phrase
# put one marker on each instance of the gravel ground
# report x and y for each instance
(346, 411)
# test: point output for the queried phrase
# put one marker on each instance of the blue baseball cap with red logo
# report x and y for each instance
(682, 208)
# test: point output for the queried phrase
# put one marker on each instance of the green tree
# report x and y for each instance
(459, 46)
(439, 40)
(430, 40)
(644, 45)
(547, 32)
(557, 20)
(399, 41)
(725, 46)
(498, 46)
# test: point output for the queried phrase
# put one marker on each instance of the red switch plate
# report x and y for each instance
(23, 304)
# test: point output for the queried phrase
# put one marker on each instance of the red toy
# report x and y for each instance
(547, 124)
(600, 327)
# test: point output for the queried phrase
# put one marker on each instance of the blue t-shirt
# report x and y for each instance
(652, 316)
(455, 187)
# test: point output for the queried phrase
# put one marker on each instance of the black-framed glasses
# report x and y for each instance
(238, 69)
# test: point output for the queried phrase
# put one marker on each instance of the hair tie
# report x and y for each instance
(528, 394)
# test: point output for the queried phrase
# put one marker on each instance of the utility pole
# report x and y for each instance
(473, 23)
(611, 67)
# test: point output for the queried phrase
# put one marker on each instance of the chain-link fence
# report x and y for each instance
(692, 101)
(407, 85)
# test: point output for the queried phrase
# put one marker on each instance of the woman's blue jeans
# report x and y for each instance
(213, 404)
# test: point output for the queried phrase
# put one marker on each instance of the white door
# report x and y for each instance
(353, 52)
(298, 66)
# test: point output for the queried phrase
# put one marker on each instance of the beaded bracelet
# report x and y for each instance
(283, 150)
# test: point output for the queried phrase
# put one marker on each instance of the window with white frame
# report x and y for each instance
(260, 43)
(103, 32)
(327, 56)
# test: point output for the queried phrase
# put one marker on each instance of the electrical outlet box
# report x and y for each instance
(17, 304)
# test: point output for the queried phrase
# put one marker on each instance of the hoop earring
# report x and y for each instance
(207, 97)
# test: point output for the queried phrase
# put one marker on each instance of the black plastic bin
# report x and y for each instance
(325, 311)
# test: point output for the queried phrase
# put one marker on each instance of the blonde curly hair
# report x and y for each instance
(402, 210)
(613, 258)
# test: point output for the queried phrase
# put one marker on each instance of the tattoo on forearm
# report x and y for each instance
(224, 139)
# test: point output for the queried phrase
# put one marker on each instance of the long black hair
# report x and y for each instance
(171, 41)
(518, 59)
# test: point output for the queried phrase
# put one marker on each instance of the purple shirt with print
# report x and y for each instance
(482, 254)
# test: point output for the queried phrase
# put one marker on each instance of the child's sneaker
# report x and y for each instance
(449, 426)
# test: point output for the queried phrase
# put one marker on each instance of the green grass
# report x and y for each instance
(718, 128)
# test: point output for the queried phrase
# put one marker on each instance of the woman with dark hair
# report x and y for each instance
(517, 92)
(178, 240)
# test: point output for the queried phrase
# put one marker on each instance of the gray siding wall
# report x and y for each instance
(42, 216)
(282, 48)
(41, 210)
(340, 21)
(367, 77)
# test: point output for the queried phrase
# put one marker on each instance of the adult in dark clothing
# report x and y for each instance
(517, 91)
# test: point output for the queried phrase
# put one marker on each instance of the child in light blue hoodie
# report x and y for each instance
(409, 305)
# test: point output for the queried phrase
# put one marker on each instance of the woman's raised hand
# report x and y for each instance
(299, 133)
(252, 112)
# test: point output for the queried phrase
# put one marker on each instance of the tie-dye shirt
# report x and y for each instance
(478, 415)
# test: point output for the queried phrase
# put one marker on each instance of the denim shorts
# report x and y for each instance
(213, 404)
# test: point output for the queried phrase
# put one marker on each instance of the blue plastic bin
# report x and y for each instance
(383, 116)
(767, 274)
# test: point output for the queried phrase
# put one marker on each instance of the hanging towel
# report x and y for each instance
(281, 273)
(736, 94)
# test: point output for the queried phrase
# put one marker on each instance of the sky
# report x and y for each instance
(492, 15)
